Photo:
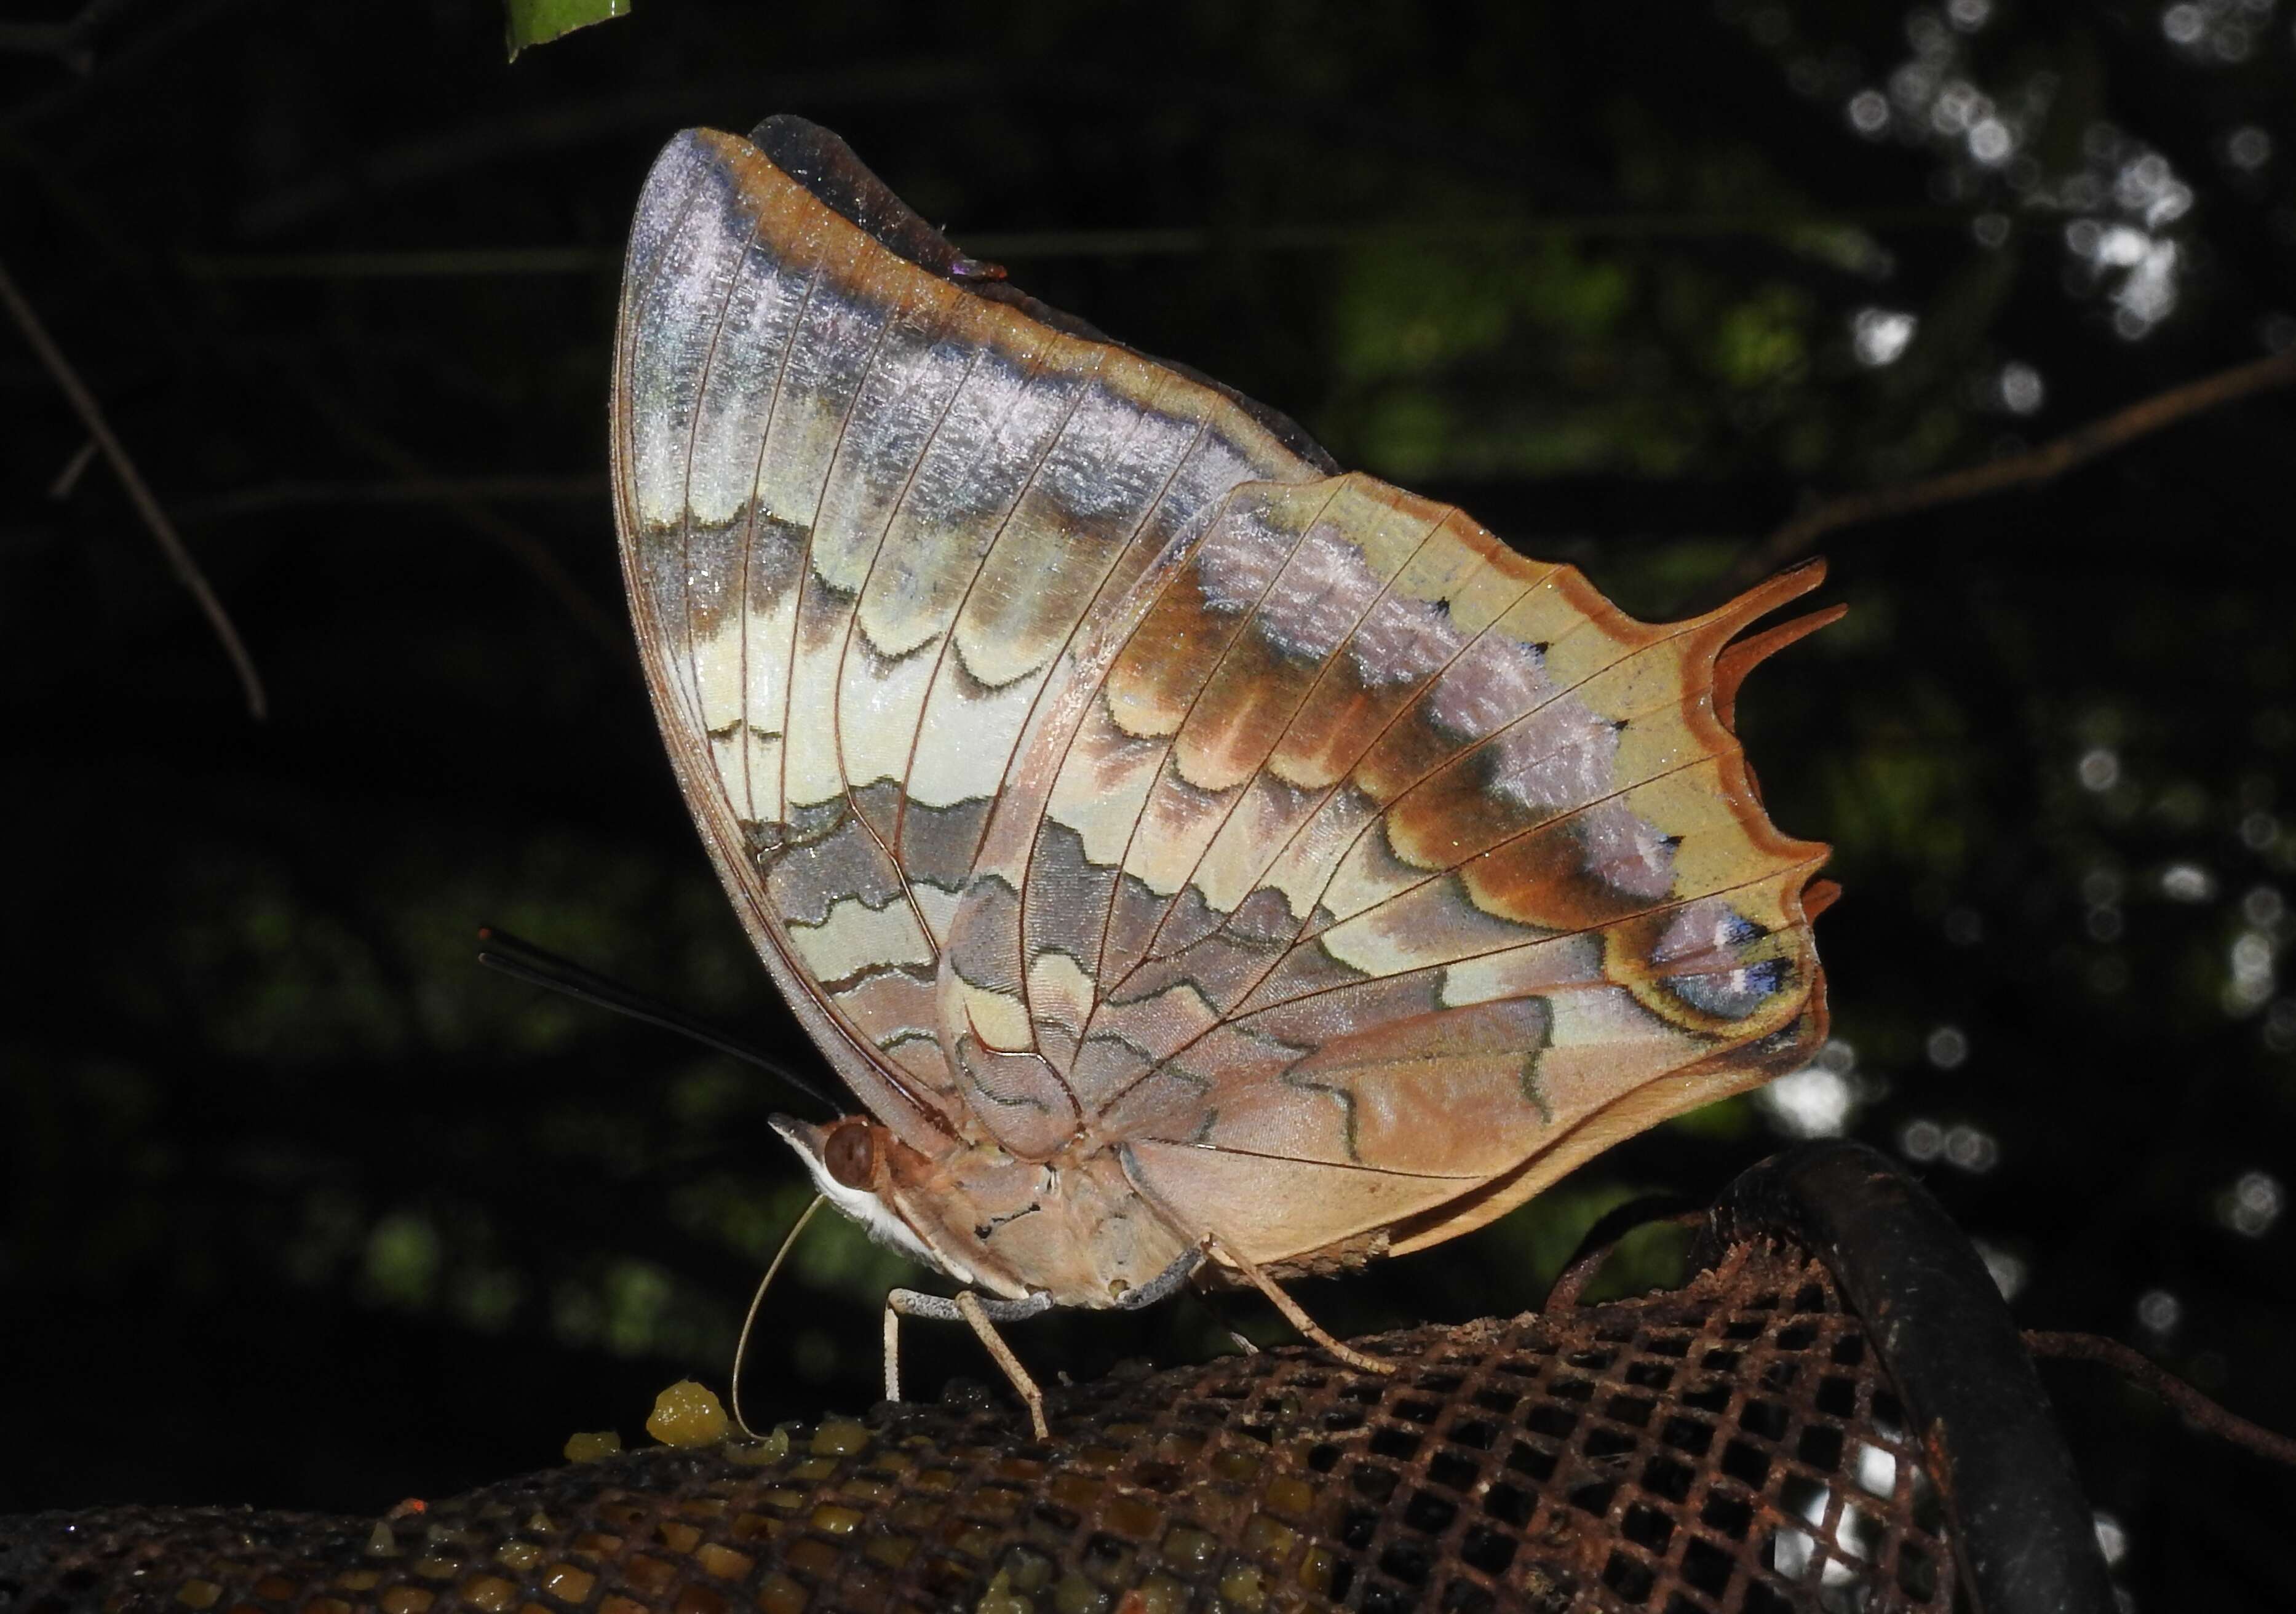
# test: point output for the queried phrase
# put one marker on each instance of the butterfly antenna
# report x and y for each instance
(538, 966)
(742, 1345)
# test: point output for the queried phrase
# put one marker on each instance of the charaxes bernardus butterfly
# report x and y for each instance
(1196, 859)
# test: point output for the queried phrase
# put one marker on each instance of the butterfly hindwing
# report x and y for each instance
(1384, 849)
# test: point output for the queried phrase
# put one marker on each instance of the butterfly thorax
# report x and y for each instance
(1072, 1227)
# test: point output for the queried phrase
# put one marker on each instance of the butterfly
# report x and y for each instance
(1196, 860)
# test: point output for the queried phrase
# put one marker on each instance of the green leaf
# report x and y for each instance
(539, 22)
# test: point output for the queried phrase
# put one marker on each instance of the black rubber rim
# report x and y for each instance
(2021, 1529)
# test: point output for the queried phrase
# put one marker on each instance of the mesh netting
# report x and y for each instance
(1732, 1445)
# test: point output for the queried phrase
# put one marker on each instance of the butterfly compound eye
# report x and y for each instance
(850, 1153)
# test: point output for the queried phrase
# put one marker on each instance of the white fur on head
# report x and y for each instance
(878, 1219)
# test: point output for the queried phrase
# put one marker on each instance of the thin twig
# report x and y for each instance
(2052, 459)
(2141, 1370)
(74, 469)
(163, 531)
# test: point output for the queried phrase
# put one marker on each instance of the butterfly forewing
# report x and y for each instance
(864, 513)
(1096, 773)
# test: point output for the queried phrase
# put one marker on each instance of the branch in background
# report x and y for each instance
(69, 42)
(2052, 459)
(171, 545)
(2142, 1371)
(74, 469)
(465, 502)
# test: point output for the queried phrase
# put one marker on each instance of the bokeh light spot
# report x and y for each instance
(2187, 883)
(2021, 391)
(1879, 336)
(1947, 1047)
(2158, 1312)
(2253, 1204)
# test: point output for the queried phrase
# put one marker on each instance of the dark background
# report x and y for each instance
(301, 1207)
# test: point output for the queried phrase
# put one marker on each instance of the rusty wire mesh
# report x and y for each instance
(1730, 1447)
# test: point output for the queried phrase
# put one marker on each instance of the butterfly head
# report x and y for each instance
(1072, 1228)
(852, 1162)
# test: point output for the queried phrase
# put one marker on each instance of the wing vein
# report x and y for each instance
(1068, 743)
(979, 569)
(853, 626)
(804, 569)
(1293, 1159)
(801, 581)
(750, 530)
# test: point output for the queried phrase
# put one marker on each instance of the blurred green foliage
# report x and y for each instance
(302, 1207)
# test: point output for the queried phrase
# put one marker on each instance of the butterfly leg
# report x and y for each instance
(893, 1347)
(968, 1308)
(1290, 1308)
